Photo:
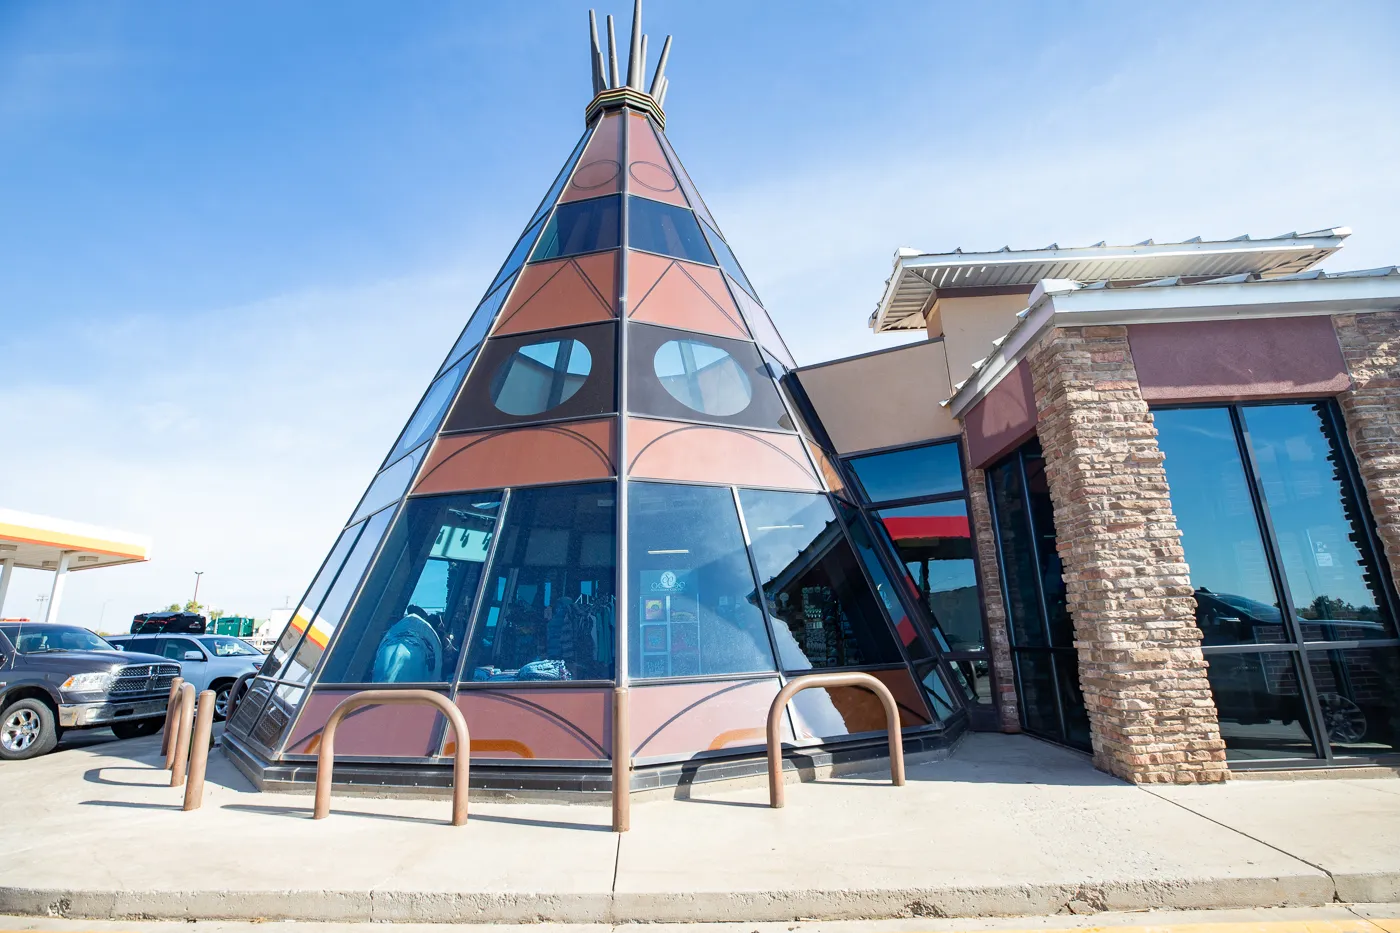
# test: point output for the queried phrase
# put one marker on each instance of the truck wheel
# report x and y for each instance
(221, 698)
(136, 728)
(27, 730)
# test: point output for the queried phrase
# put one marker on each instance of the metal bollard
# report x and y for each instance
(199, 750)
(184, 725)
(170, 706)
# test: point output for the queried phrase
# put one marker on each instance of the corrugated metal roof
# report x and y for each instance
(918, 277)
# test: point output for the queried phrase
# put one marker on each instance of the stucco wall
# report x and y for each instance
(969, 325)
(882, 399)
(1001, 421)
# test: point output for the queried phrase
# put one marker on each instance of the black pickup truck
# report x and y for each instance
(57, 677)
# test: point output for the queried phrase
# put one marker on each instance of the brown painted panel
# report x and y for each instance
(830, 712)
(561, 292)
(648, 172)
(387, 731)
(553, 723)
(683, 295)
(599, 170)
(682, 719)
(670, 450)
(549, 453)
(834, 482)
(1003, 420)
(1206, 361)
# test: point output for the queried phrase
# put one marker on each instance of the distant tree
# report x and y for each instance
(173, 607)
(216, 614)
(192, 606)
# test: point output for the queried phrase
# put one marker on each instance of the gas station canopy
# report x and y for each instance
(37, 542)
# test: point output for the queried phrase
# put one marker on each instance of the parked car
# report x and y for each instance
(58, 677)
(209, 662)
(153, 623)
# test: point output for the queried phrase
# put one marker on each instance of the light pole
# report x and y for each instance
(195, 600)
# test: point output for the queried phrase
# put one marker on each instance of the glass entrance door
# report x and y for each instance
(1041, 632)
(1294, 603)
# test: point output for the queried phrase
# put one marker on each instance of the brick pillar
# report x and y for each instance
(1150, 706)
(989, 575)
(1371, 408)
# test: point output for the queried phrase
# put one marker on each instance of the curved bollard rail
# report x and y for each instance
(851, 679)
(237, 692)
(461, 760)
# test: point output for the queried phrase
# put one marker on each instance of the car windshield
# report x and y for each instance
(226, 647)
(42, 638)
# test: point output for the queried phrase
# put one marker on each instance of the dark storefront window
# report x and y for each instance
(1293, 602)
(1042, 633)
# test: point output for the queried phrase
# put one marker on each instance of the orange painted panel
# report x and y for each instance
(683, 295)
(387, 731)
(672, 450)
(600, 168)
(682, 719)
(548, 453)
(648, 172)
(561, 292)
(554, 723)
(829, 712)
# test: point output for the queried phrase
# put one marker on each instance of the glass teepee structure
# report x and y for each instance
(610, 529)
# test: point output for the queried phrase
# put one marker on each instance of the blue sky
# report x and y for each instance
(236, 240)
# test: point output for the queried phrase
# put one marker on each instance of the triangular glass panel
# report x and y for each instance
(478, 326)
(697, 203)
(761, 325)
(516, 259)
(727, 262)
(429, 414)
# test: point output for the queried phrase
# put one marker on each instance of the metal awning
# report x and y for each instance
(37, 542)
(919, 278)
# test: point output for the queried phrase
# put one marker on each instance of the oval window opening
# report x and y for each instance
(540, 376)
(703, 377)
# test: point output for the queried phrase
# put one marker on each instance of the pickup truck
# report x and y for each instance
(56, 677)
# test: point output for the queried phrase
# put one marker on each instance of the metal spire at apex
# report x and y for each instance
(606, 74)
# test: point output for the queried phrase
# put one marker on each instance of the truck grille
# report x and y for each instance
(137, 679)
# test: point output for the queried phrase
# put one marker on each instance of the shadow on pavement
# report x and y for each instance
(161, 777)
(132, 805)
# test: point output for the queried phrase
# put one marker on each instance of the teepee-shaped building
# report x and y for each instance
(607, 532)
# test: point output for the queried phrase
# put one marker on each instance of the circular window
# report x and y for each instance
(703, 377)
(540, 376)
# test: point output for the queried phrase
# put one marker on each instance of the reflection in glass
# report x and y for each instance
(934, 541)
(690, 585)
(1358, 691)
(828, 616)
(1039, 706)
(1336, 588)
(1052, 579)
(665, 229)
(305, 612)
(332, 610)
(727, 262)
(409, 622)
(1017, 550)
(1072, 699)
(975, 675)
(430, 411)
(937, 692)
(540, 376)
(910, 473)
(916, 647)
(702, 377)
(245, 717)
(389, 486)
(1260, 703)
(547, 611)
(580, 227)
(281, 708)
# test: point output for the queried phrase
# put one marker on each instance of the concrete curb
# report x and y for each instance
(1304, 890)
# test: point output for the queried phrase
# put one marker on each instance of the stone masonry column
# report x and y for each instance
(1371, 408)
(998, 642)
(1150, 706)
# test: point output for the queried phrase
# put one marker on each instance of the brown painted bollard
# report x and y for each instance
(850, 679)
(180, 745)
(461, 759)
(621, 762)
(170, 705)
(199, 750)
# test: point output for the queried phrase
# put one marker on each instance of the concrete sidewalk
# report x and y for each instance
(1005, 826)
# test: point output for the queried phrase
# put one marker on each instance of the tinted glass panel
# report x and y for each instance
(561, 179)
(574, 371)
(916, 646)
(825, 613)
(410, 621)
(1017, 552)
(666, 229)
(1336, 587)
(937, 692)
(477, 327)
(277, 716)
(547, 612)
(702, 377)
(516, 259)
(935, 543)
(430, 411)
(661, 385)
(976, 675)
(909, 473)
(389, 486)
(1051, 573)
(580, 227)
(1072, 699)
(301, 619)
(1359, 692)
(1235, 597)
(540, 376)
(322, 628)
(1261, 706)
(1040, 712)
(687, 186)
(727, 262)
(691, 588)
